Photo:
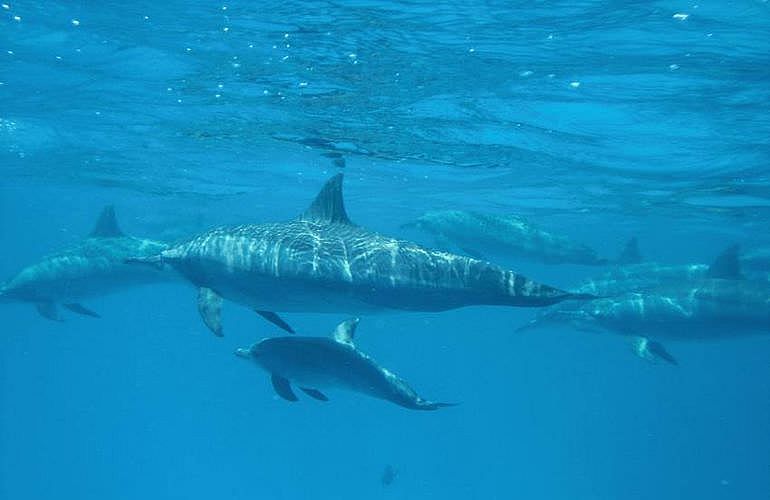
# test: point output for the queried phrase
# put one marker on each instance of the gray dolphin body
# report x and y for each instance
(95, 266)
(479, 235)
(710, 308)
(651, 275)
(321, 262)
(315, 363)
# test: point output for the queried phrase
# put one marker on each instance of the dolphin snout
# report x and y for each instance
(244, 353)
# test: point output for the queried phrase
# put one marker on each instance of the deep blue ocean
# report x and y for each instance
(598, 120)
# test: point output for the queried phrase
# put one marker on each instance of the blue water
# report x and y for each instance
(597, 120)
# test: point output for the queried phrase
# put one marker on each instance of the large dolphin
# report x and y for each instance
(509, 236)
(708, 308)
(322, 262)
(314, 363)
(93, 267)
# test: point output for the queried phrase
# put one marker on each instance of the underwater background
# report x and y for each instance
(599, 120)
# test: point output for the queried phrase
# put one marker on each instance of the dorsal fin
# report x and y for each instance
(328, 206)
(726, 265)
(345, 331)
(630, 253)
(107, 225)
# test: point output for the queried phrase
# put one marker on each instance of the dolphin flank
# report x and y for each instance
(322, 262)
(313, 363)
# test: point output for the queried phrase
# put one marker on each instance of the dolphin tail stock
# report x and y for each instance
(155, 261)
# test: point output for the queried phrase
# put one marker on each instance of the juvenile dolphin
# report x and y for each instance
(716, 306)
(95, 266)
(480, 235)
(322, 262)
(313, 363)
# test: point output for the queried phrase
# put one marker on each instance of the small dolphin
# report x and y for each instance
(508, 236)
(714, 307)
(93, 267)
(322, 262)
(313, 363)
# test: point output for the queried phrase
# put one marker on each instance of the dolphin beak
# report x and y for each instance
(243, 353)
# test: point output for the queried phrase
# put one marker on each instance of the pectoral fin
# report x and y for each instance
(283, 387)
(79, 309)
(48, 310)
(276, 320)
(650, 350)
(210, 309)
(315, 394)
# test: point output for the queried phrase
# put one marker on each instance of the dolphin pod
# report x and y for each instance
(322, 262)
(685, 303)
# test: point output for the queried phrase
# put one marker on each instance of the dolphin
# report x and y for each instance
(713, 307)
(479, 235)
(312, 363)
(93, 267)
(650, 275)
(322, 262)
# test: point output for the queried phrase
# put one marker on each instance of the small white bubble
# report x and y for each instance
(288, 45)
(146, 18)
(236, 65)
(219, 86)
(188, 49)
(471, 50)
(2, 83)
(6, 6)
(286, 35)
(75, 22)
(550, 36)
(224, 7)
(179, 101)
(551, 75)
(58, 58)
(17, 18)
(574, 85)
(265, 92)
(679, 16)
(78, 51)
(303, 84)
(10, 52)
(225, 29)
(673, 67)
(169, 89)
(352, 55)
(97, 113)
(251, 45)
(525, 73)
(709, 35)
(284, 58)
(217, 95)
